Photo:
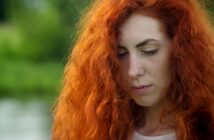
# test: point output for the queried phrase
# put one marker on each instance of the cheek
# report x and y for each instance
(124, 67)
(164, 74)
(160, 69)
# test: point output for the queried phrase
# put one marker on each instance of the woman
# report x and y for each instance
(140, 69)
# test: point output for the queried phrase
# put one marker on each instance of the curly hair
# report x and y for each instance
(94, 103)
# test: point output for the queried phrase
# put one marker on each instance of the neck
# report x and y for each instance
(152, 124)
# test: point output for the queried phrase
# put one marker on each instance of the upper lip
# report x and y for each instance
(139, 87)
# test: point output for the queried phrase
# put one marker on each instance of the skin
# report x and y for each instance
(143, 51)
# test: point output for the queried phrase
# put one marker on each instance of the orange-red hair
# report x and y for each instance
(94, 104)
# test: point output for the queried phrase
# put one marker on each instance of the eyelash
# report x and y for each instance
(148, 53)
(122, 54)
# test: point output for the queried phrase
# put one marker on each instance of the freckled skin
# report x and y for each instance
(146, 64)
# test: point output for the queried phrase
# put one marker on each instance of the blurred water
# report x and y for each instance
(24, 121)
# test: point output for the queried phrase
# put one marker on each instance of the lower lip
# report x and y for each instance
(140, 90)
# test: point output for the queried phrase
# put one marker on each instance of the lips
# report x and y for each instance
(140, 89)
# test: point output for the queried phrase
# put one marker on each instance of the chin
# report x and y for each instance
(143, 104)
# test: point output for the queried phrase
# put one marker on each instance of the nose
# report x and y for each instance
(136, 68)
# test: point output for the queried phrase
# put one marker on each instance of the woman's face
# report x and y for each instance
(143, 52)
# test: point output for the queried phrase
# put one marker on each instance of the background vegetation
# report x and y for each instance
(35, 38)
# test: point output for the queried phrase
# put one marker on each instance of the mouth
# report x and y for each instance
(140, 88)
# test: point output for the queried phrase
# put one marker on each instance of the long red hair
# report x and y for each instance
(94, 103)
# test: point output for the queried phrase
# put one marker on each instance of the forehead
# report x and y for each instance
(140, 27)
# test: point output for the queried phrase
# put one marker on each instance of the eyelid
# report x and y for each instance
(150, 52)
(149, 49)
(121, 52)
(149, 45)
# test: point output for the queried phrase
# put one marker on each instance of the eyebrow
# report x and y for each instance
(141, 44)
(145, 42)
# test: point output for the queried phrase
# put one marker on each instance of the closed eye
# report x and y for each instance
(149, 52)
(122, 54)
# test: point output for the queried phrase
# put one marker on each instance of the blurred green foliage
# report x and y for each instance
(23, 79)
(39, 32)
(35, 38)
